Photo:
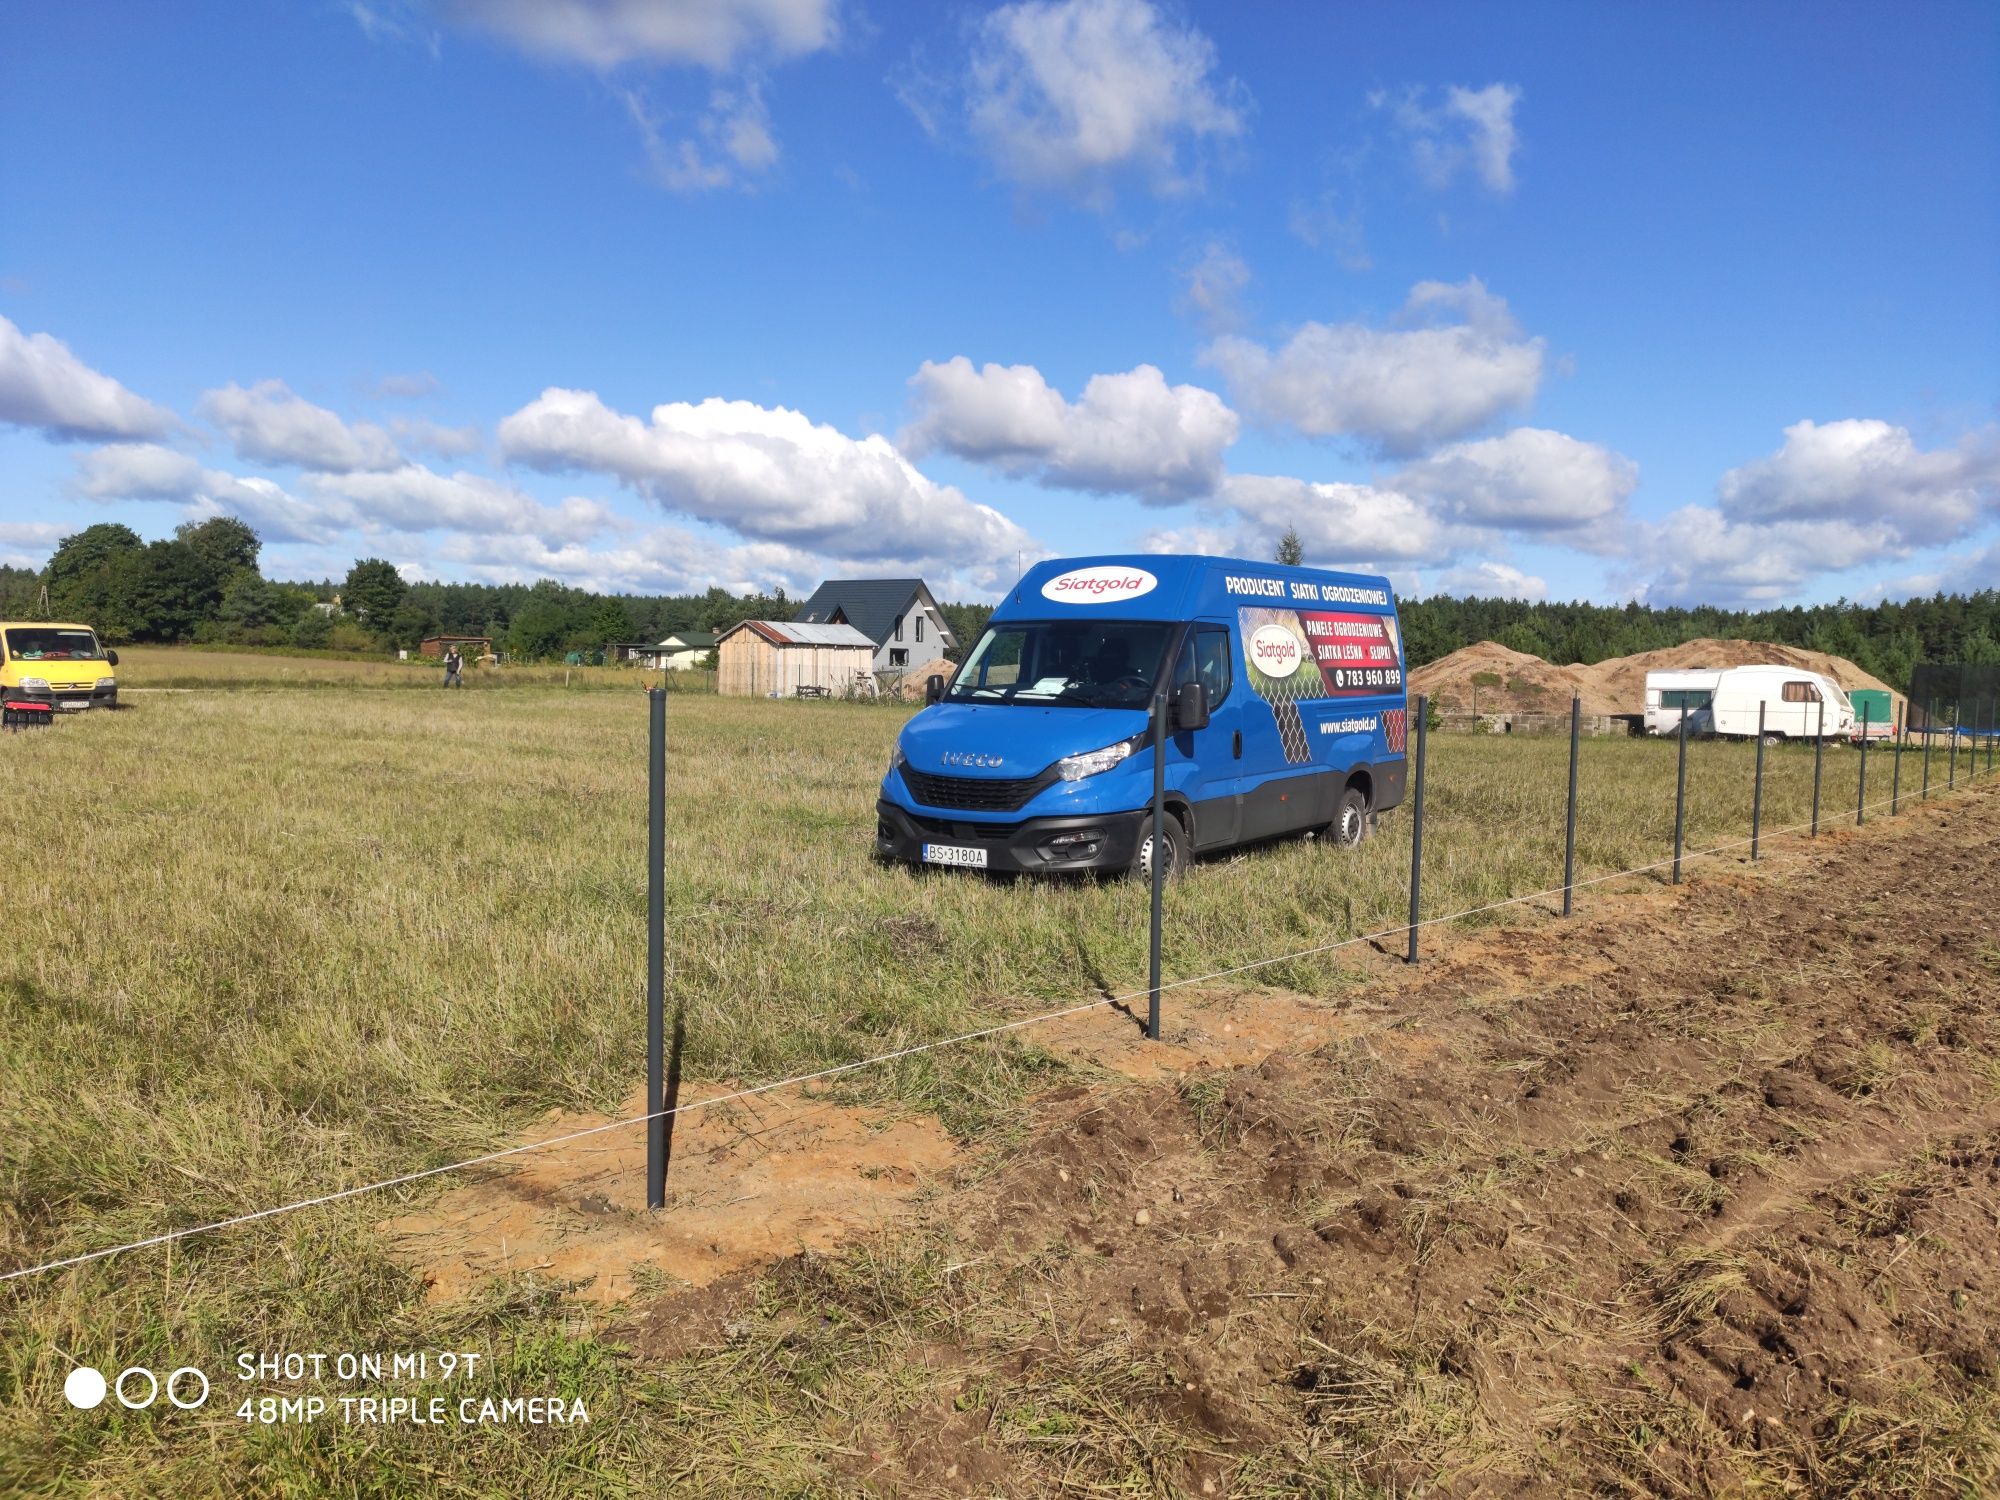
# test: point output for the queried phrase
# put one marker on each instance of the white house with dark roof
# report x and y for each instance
(897, 614)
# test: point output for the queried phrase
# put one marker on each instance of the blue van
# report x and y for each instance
(1284, 696)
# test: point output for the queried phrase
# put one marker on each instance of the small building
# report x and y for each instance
(474, 646)
(682, 651)
(786, 659)
(898, 616)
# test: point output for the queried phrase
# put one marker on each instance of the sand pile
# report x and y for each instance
(912, 685)
(1488, 678)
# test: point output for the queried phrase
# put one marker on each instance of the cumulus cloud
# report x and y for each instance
(27, 544)
(1212, 287)
(1529, 479)
(1339, 524)
(419, 435)
(1469, 130)
(1699, 556)
(1454, 361)
(267, 423)
(45, 387)
(1063, 94)
(1491, 580)
(1128, 433)
(768, 474)
(714, 34)
(147, 471)
(415, 498)
(1862, 470)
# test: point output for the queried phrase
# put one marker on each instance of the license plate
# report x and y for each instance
(71, 706)
(954, 854)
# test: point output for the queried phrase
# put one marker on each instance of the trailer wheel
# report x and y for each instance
(1350, 819)
(1774, 737)
(1177, 850)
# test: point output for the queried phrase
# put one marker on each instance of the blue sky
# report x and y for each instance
(1685, 303)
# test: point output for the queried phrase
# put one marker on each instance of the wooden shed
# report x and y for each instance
(780, 659)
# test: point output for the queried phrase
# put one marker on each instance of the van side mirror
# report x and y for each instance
(933, 689)
(111, 657)
(1191, 707)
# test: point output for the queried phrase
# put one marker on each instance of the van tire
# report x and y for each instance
(1177, 850)
(1351, 823)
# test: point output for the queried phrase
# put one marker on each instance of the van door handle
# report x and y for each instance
(1236, 744)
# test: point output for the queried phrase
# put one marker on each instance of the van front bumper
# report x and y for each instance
(1099, 841)
(64, 699)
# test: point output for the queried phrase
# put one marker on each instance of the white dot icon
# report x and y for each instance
(84, 1388)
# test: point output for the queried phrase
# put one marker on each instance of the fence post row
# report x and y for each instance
(1680, 793)
(1819, 756)
(1569, 824)
(1757, 787)
(1158, 869)
(1861, 795)
(1417, 826)
(656, 950)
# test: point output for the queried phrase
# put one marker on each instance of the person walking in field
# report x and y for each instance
(453, 664)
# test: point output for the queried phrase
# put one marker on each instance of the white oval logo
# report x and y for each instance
(1099, 585)
(1274, 651)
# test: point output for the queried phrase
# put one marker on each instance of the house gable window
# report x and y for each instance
(920, 628)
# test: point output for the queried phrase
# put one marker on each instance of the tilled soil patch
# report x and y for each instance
(1707, 1202)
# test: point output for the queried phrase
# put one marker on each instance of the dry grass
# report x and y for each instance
(263, 945)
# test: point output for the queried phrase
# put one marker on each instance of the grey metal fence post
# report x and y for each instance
(656, 951)
(1951, 752)
(1896, 776)
(1159, 860)
(1417, 826)
(1819, 757)
(1861, 793)
(1680, 793)
(1930, 733)
(1757, 787)
(1569, 824)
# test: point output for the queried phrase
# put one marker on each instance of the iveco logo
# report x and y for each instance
(968, 758)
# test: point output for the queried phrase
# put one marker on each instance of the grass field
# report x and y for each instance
(265, 945)
(150, 669)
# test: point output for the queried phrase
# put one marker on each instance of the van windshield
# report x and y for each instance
(46, 643)
(1076, 663)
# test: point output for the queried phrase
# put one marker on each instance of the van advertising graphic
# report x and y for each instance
(1355, 654)
(1099, 585)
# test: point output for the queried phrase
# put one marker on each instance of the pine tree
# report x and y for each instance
(1291, 551)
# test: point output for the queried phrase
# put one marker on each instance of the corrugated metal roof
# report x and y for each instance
(792, 633)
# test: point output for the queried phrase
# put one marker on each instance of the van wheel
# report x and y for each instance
(1177, 850)
(1350, 819)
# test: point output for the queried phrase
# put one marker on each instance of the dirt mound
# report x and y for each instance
(1489, 678)
(1620, 683)
(912, 685)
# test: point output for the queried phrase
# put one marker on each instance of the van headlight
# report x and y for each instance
(1095, 762)
(897, 760)
(105, 684)
(35, 684)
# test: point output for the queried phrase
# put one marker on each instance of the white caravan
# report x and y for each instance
(1671, 694)
(1796, 705)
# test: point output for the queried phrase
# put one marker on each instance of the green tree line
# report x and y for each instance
(203, 585)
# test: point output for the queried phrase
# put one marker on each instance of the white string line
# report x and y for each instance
(849, 1067)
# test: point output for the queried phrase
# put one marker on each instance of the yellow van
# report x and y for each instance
(61, 665)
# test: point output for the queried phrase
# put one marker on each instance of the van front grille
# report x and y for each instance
(973, 793)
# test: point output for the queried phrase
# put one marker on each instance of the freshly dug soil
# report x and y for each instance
(1697, 1192)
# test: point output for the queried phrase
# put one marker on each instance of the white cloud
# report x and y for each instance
(1862, 470)
(731, 140)
(1491, 580)
(146, 471)
(44, 386)
(1341, 525)
(27, 544)
(1699, 556)
(1063, 93)
(1455, 362)
(419, 434)
(267, 423)
(407, 387)
(1131, 432)
(414, 498)
(1212, 287)
(1529, 479)
(1471, 130)
(714, 34)
(769, 474)
(1959, 573)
